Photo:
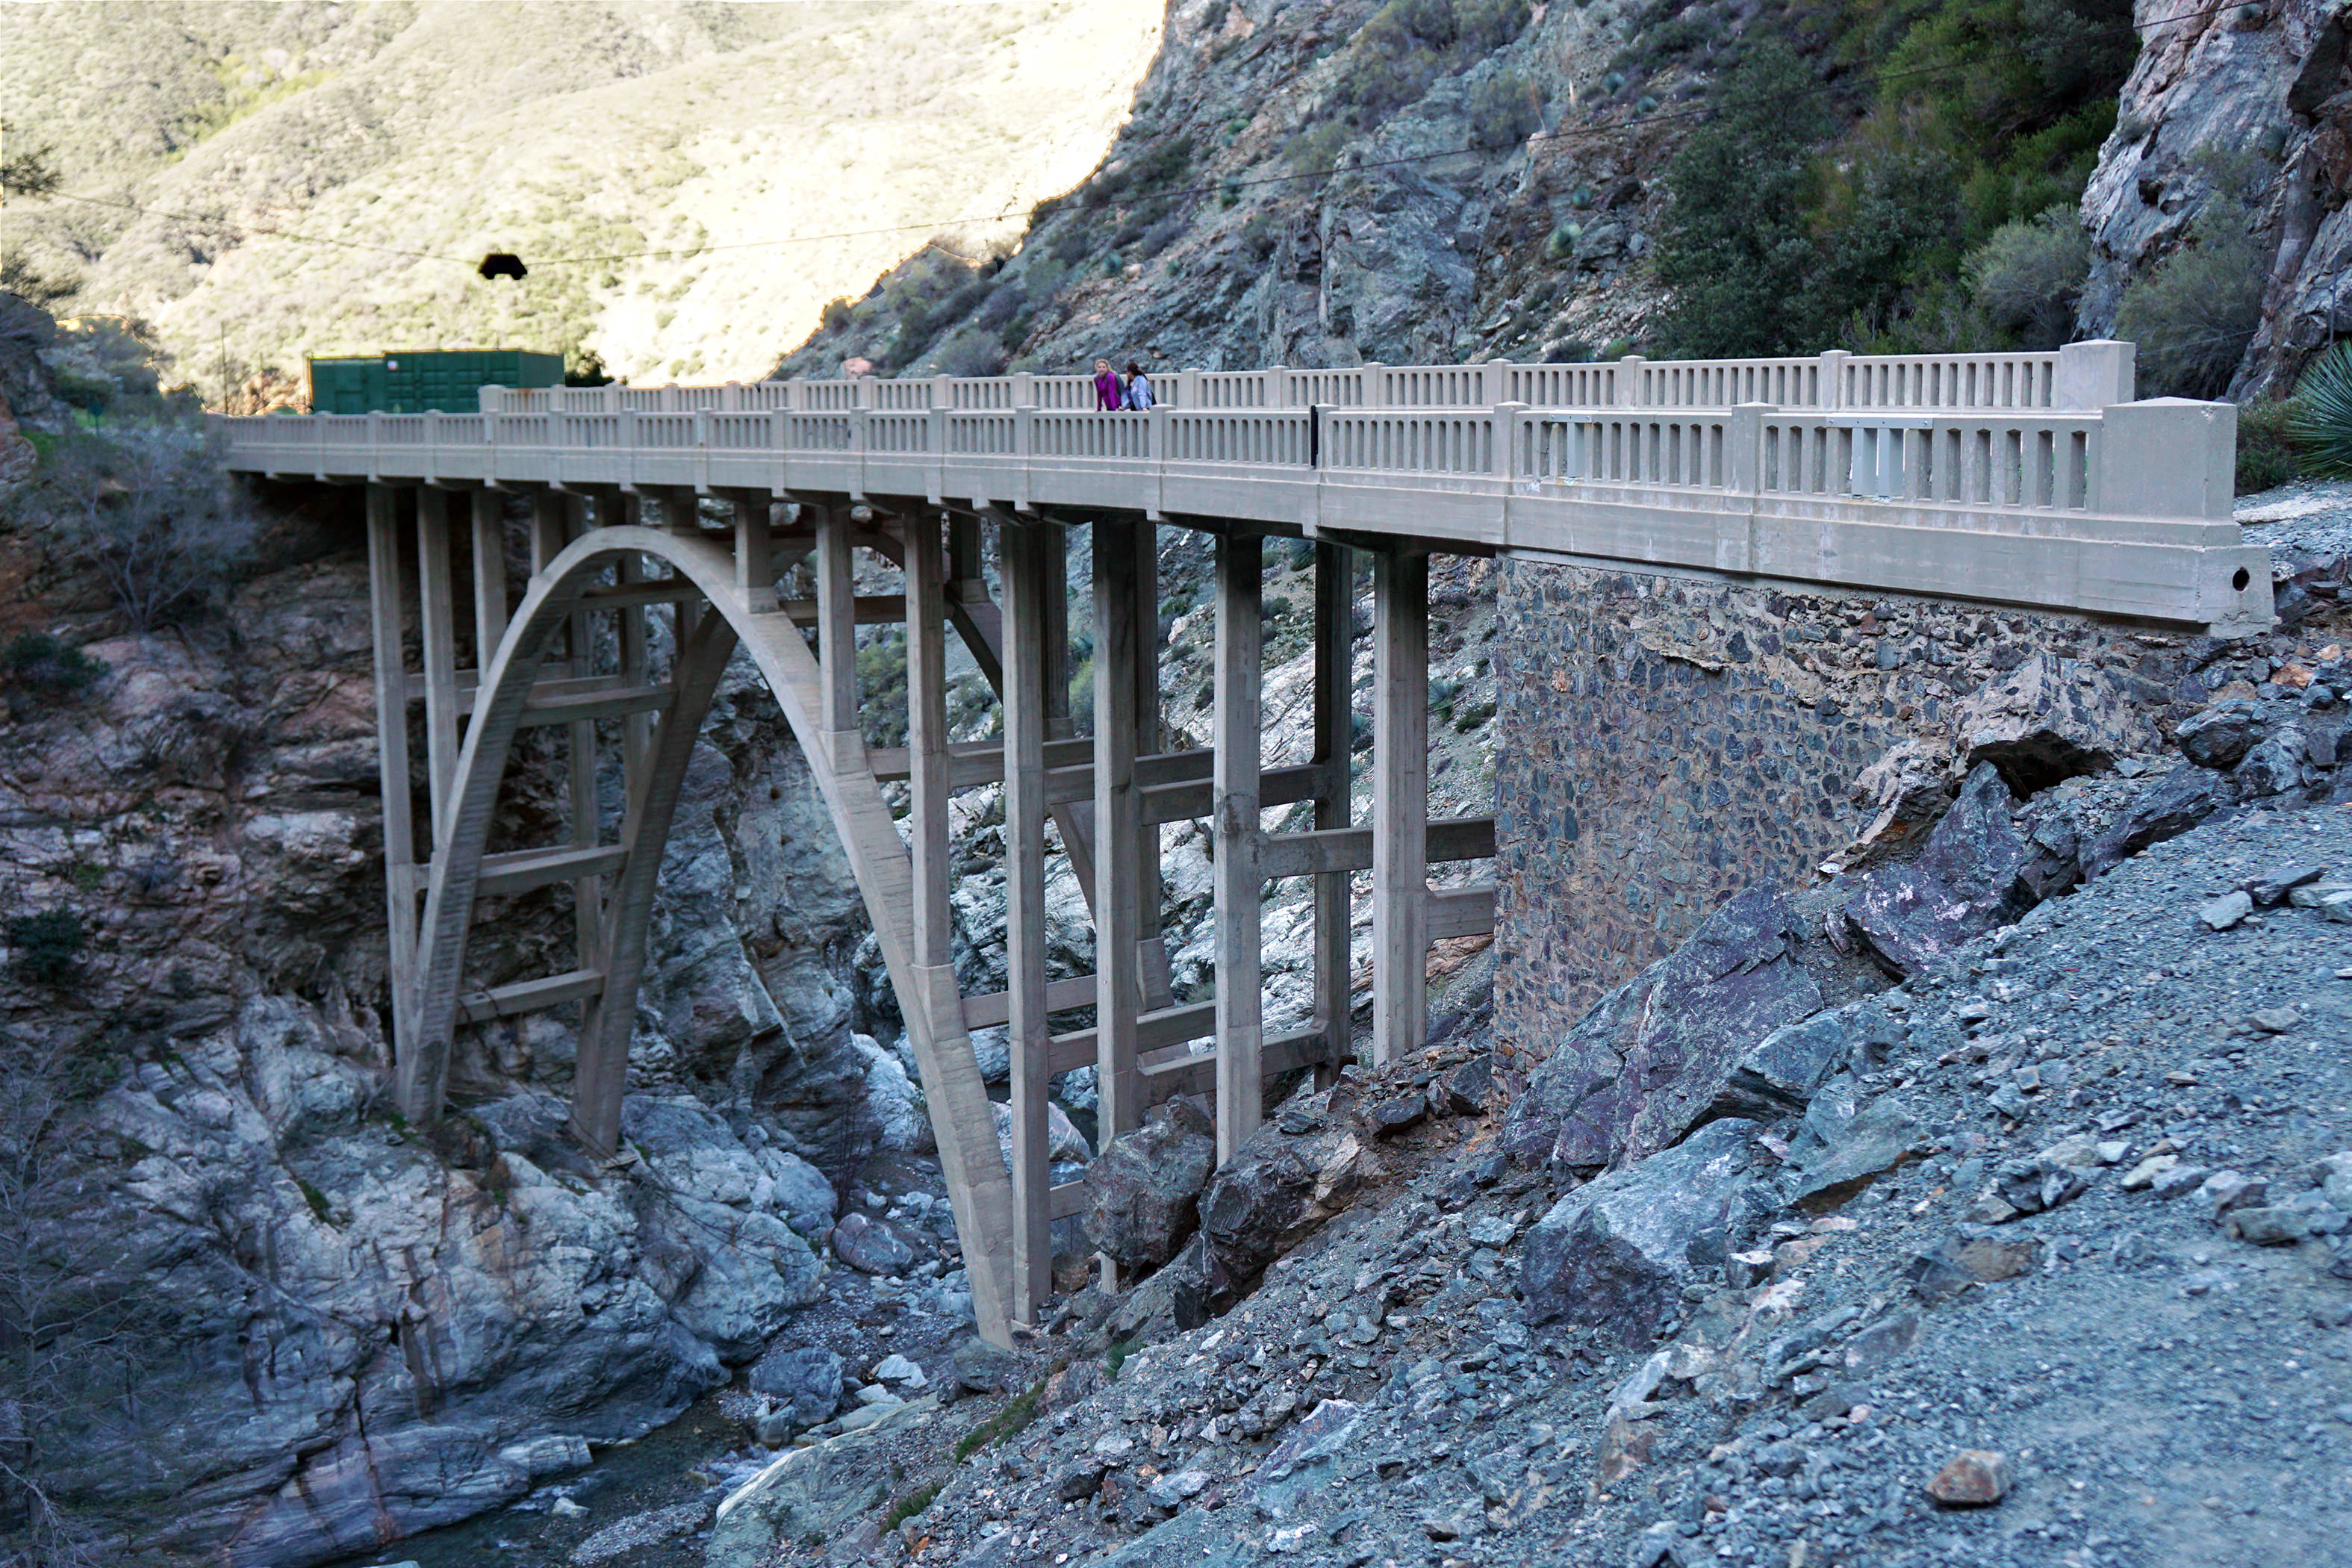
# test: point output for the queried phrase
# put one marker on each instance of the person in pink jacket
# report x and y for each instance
(1107, 387)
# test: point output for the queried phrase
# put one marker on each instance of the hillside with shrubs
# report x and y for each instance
(1408, 180)
(261, 182)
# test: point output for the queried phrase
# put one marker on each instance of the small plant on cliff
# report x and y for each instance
(47, 945)
(2322, 424)
(1017, 1413)
(150, 509)
(43, 665)
(2269, 449)
(908, 1507)
(2029, 275)
(72, 1315)
(1503, 111)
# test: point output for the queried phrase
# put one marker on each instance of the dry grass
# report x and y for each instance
(557, 133)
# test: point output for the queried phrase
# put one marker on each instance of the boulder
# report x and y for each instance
(2038, 724)
(813, 1492)
(1279, 1187)
(983, 1368)
(1466, 1089)
(1653, 1056)
(1143, 1193)
(805, 1383)
(1965, 882)
(1863, 1148)
(869, 1246)
(1187, 1292)
(1063, 1142)
(1777, 1076)
(548, 1456)
(2165, 809)
(2274, 764)
(1617, 1253)
(2219, 735)
(894, 1101)
(1908, 787)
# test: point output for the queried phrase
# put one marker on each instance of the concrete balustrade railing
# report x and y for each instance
(1884, 473)
(2080, 378)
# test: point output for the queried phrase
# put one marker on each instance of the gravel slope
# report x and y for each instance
(2161, 1390)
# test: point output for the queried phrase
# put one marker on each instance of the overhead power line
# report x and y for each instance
(1237, 182)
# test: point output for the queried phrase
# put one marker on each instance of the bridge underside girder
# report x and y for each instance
(595, 554)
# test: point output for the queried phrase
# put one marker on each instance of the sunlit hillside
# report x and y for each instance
(323, 179)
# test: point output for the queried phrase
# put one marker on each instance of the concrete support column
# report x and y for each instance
(583, 761)
(755, 557)
(420, 1102)
(1158, 987)
(1233, 799)
(1334, 803)
(1118, 824)
(636, 729)
(1400, 804)
(437, 635)
(927, 738)
(1026, 558)
(837, 640)
(548, 528)
(489, 576)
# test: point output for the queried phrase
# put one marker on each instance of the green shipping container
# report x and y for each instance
(447, 382)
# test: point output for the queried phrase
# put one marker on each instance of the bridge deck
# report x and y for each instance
(2118, 510)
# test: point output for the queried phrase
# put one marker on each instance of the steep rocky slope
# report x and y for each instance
(1280, 197)
(270, 1321)
(1929, 1214)
(346, 1330)
(2232, 130)
(663, 140)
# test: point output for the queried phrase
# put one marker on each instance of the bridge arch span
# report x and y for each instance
(722, 619)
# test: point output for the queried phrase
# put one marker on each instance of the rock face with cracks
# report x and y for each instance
(1614, 1255)
(1143, 1193)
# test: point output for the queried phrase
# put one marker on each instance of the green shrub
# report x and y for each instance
(148, 508)
(49, 944)
(1317, 147)
(56, 670)
(1503, 111)
(2030, 274)
(1017, 1413)
(908, 1507)
(2269, 452)
(2193, 313)
(971, 352)
(1736, 247)
(2322, 422)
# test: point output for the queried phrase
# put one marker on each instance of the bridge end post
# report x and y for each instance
(2096, 374)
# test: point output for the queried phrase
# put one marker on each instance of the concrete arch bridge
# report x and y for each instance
(2029, 479)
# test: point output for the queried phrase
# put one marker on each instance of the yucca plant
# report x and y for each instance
(2323, 420)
